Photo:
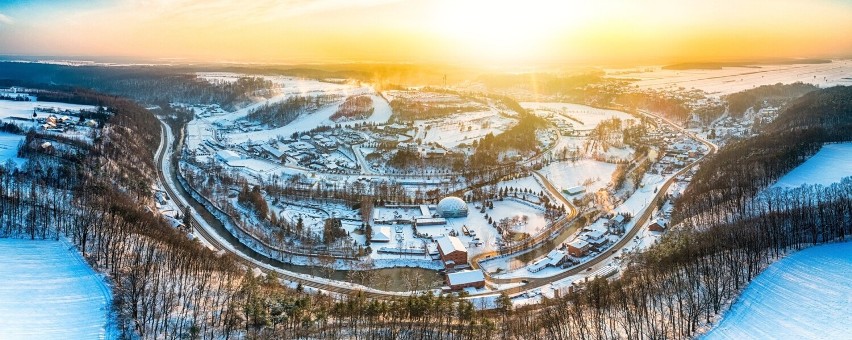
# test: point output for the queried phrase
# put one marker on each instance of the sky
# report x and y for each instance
(475, 32)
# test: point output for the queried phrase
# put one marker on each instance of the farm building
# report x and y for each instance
(453, 252)
(466, 278)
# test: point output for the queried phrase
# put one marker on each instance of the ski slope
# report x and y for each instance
(47, 291)
(804, 296)
(831, 164)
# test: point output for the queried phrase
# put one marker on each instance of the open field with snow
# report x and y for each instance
(9, 148)
(594, 175)
(47, 291)
(803, 296)
(831, 164)
(460, 128)
(735, 79)
(582, 117)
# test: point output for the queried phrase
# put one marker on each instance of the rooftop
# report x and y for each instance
(465, 277)
(450, 244)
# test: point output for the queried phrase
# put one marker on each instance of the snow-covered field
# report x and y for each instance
(588, 116)
(25, 109)
(47, 291)
(460, 128)
(9, 148)
(594, 175)
(804, 296)
(735, 79)
(831, 164)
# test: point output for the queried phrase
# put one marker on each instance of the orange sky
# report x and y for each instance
(463, 32)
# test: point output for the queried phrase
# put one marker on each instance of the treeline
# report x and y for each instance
(284, 112)
(408, 110)
(722, 240)
(354, 107)
(145, 84)
(744, 168)
(766, 95)
(520, 137)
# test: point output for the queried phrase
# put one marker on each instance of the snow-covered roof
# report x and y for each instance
(465, 277)
(449, 244)
(595, 234)
(579, 244)
(227, 155)
(381, 234)
(271, 150)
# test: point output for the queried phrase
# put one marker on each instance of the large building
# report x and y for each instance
(466, 278)
(453, 253)
(452, 207)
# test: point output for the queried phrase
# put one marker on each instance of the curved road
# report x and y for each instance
(646, 214)
(221, 239)
(256, 260)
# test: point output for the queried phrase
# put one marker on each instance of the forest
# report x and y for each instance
(283, 112)
(766, 95)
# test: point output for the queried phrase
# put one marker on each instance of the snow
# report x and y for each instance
(831, 164)
(465, 277)
(47, 291)
(589, 116)
(735, 79)
(9, 148)
(452, 131)
(594, 175)
(803, 296)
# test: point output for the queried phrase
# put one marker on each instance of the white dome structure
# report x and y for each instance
(452, 207)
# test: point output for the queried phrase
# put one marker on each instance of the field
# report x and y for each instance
(803, 296)
(831, 164)
(594, 175)
(47, 291)
(582, 117)
(735, 79)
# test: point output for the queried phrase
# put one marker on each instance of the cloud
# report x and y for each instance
(6, 20)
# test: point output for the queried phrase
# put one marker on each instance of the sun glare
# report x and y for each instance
(501, 30)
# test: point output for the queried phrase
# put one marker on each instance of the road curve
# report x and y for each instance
(242, 252)
(640, 221)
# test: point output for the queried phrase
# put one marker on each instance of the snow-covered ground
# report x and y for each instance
(25, 109)
(47, 291)
(735, 79)
(582, 117)
(460, 128)
(594, 175)
(831, 164)
(804, 296)
(9, 148)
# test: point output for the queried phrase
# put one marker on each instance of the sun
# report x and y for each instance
(501, 31)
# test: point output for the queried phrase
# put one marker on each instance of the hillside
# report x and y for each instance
(742, 169)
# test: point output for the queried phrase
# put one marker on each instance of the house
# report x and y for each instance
(578, 248)
(272, 152)
(466, 279)
(452, 251)
(553, 259)
(596, 238)
(574, 190)
(656, 226)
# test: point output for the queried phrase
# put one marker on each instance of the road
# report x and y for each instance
(215, 234)
(220, 238)
(534, 283)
